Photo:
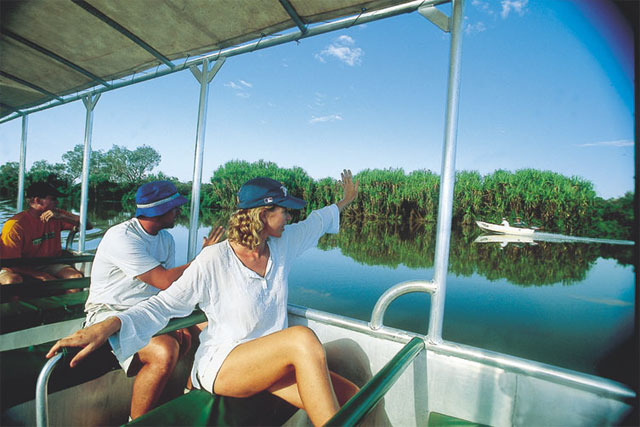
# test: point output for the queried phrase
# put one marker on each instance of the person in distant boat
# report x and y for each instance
(134, 261)
(505, 222)
(35, 233)
(520, 223)
(242, 284)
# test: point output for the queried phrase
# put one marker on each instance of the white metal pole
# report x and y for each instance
(90, 102)
(23, 162)
(447, 178)
(204, 77)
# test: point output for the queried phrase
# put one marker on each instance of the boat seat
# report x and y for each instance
(36, 288)
(30, 312)
(20, 369)
(201, 408)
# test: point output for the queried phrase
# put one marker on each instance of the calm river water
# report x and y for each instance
(567, 304)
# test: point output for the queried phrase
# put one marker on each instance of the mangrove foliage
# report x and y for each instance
(551, 201)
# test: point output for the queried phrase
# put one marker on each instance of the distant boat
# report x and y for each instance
(505, 229)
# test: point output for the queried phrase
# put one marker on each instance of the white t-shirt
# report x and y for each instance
(126, 251)
(239, 304)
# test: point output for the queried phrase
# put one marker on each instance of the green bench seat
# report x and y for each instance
(200, 408)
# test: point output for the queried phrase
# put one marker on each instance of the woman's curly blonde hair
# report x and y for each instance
(245, 226)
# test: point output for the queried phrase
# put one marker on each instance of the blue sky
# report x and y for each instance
(545, 85)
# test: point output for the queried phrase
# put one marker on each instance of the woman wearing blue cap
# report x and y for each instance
(241, 285)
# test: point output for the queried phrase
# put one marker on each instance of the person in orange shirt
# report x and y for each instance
(35, 232)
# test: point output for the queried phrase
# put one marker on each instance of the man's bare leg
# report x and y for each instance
(158, 359)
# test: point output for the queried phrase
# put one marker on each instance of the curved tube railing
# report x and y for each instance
(377, 316)
(366, 399)
(42, 387)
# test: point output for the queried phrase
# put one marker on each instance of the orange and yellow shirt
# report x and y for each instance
(26, 236)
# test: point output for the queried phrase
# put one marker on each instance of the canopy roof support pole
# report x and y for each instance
(204, 77)
(447, 177)
(23, 163)
(90, 102)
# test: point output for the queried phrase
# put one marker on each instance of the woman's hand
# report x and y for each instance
(214, 237)
(90, 339)
(349, 188)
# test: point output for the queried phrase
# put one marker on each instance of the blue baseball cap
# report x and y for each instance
(266, 192)
(156, 198)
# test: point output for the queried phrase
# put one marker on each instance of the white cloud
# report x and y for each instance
(345, 40)
(343, 50)
(617, 143)
(478, 27)
(518, 6)
(329, 118)
(484, 7)
(241, 87)
(232, 85)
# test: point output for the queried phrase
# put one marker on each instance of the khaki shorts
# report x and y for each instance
(103, 312)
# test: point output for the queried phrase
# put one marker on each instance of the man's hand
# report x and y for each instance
(214, 236)
(90, 339)
(47, 215)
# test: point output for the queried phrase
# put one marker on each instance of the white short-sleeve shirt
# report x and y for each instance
(126, 251)
(240, 305)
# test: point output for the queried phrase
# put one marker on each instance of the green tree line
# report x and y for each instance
(549, 200)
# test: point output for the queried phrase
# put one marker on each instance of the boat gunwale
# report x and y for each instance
(514, 364)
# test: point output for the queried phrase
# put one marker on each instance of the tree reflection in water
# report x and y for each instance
(521, 263)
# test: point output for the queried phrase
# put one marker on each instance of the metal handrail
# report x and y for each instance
(70, 236)
(42, 388)
(391, 294)
(366, 399)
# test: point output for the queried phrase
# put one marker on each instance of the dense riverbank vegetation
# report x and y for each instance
(554, 202)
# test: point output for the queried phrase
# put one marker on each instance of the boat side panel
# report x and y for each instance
(358, 357)
(39, 334)
(466, 389)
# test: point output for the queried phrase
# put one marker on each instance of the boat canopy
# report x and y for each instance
(53, 50)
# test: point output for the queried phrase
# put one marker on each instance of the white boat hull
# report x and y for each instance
(502, 229)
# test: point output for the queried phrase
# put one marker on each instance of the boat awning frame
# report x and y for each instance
(45, 60)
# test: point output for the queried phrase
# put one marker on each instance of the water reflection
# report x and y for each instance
(521, 261)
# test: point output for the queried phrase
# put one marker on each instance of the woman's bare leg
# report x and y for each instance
(259, 364)
(287, 389)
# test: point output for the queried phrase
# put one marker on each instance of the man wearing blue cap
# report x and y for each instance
(134, 261)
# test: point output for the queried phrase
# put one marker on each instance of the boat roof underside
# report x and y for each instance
(50, 49)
